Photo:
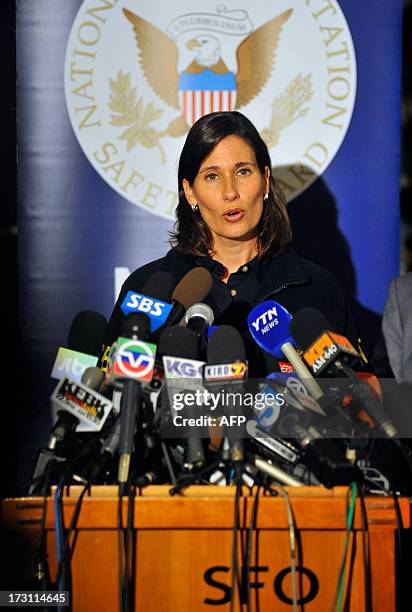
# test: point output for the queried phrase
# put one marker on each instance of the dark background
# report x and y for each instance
(15, 373)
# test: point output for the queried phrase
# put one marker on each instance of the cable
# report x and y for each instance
(399, 532)
(366, 551)
(127, 546)
(42, 568)
(235, 569)
(58, 521)
(120, 544)
(292, 544)
(251, 527)
(73, 523)
(337, 600)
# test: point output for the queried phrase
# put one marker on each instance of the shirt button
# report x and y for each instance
(245, 269)
(233, 292)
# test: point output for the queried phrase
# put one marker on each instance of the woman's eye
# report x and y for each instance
(211, 177)
(244, 171)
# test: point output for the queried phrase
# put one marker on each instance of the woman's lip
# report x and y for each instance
(233, 215)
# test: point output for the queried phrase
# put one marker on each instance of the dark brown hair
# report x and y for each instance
(191, 234)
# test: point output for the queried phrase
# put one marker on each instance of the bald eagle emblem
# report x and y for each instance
(206, 84)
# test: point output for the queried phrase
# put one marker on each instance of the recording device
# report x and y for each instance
(269, 324)
(332, 355)
(199, 317)
(84, 343)
(183, 372)
(76, 406)
(131, 361)
(192, 288)
(85, 340)
(225, 372)
(153, 300)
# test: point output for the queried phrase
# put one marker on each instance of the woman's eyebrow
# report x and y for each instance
(237, 165)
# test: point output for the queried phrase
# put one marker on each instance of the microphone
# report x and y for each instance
(131, 361)
(131, 356)
(199, 317)
(269, 324)
(275, 472)
(85, 340)
(192, 288)
(330, 354)
(180, 349)
(225, 372)
(91, 470)
(77, 406)
(85, 337)
(324, 351)
(153, 300)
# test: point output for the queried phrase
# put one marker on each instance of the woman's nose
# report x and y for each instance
(230, 191)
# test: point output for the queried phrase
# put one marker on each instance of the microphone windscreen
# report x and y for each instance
(87, 332)
(136, 324)
(201, 311)
(159, 285)
(178, 341)
(307, 325)
(93, 377)
(225, 345)
(193, 287)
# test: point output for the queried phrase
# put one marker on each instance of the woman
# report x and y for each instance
(232, 220)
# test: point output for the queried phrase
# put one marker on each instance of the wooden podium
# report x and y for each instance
(183, 547)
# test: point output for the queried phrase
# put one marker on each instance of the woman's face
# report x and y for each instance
(229, 190)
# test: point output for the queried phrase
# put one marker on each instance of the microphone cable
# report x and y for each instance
(251, 529)
(128, 556)
(399, 554)
(42, 566)
(68, 549)
(63, 538)
(365, 550)
(120, 548)
(61, 583)
(292, 543)
(236, 579)
(124, 547)
(350, 511)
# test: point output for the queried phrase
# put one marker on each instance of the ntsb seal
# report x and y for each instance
(138, 75)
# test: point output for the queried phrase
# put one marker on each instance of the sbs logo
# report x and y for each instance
(137, 76)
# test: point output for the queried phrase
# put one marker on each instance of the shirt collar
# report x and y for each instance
(217, 269)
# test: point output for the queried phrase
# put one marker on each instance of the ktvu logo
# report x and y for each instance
(156, 310)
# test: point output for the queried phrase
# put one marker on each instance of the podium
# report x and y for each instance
(183, 547)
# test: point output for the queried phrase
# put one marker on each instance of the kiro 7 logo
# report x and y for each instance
(175, 62)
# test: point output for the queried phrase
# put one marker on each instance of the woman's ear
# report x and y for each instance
(267, 179)
(188, 192)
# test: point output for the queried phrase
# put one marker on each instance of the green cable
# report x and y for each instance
(349, 523)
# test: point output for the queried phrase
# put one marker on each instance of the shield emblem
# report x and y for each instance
(206, 92)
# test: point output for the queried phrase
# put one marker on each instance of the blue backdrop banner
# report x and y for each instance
(106, 92)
